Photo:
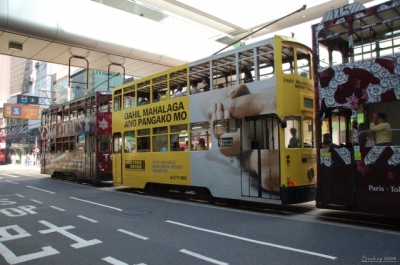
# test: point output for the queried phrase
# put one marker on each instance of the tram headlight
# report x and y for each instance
(310, 173)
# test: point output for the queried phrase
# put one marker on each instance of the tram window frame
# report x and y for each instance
(175, 136)
(300, 70)
(143, 138)
(293, 121)
(88, 107)
(66, 113)
(224, 72)
(308, 132)
(104, 141)
(129, 98)
(129, 142)
(288, 60)
(197, 73)
(143, 93)
(117, 98)
(160, 139)
(265, 62)
(159, 86)
(117, 142)
(246, 64)
(103, 103)
(178, 78)
(200, 130)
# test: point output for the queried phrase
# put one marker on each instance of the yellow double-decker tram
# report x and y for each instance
(237, 125)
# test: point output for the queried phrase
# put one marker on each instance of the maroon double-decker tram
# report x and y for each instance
(3, 152)
(76, 139)
(357, 85)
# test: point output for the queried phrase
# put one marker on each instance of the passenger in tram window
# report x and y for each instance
(201, 146)
(142, 100)
(193, 87)
(248, 77)
(156, 97)
(164, 147)
(206, 83)
(176, 147)
(326, 140)
(294, 141)
(163, 96)
(382, 129)
(178, 92)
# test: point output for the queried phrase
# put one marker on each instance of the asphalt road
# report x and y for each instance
(47, 221)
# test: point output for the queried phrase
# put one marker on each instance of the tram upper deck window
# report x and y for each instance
(224, 71)
(117, 98)
(287, 54)
(265, 61)
(303, 62)
(143, 93)
(246, 62)
(197, 73)
(159, 87)
(129, 97)
(103, 102)
(178, 79)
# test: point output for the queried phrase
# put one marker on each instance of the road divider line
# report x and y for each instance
(203, 257)
(41, 190)
(132, 234)
(113, 261)
(54, 207)
(95, 203)
(9, 181)
(87, 218)
(36, 201)
(256, 241)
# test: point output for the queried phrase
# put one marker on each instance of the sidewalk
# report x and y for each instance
(34, 169)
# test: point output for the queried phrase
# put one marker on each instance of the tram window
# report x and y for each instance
(104, 142)
(303, 63)
(80, 145)
(159, 87)
(287, 59)
(224, 71)
(178, 137)
(308, 132)
(246, 66)
(66, 113)
(103, 103)
(117, 100)
(265, 61)
(117, 143)
(143, 144)
(129, 142)
(129, 97)
(200, 130)
(293, 132)
(160, 143)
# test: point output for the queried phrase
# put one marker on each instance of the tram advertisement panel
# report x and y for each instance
(144, 166)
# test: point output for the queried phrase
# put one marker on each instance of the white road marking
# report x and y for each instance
(97, 204)
(256, 241)
(132, 234)
(9, 181)
(203, 257)
(36, 201)
(88, 219)
(19, 195)
(61, 210)
(41, 190)
(81, 243)
(8, 175)
(113, 261)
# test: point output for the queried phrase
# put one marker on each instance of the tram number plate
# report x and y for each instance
(222, 142)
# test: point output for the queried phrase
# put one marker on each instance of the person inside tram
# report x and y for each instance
(193, 87)
(294, 141)
(178, 92)
(326, 140)
(206, 83)
(248, 77)
(201, 145)
(382, 129)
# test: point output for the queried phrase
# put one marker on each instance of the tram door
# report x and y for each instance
(117, 158)
(260, 172)
(336, 170)
(90, 156)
